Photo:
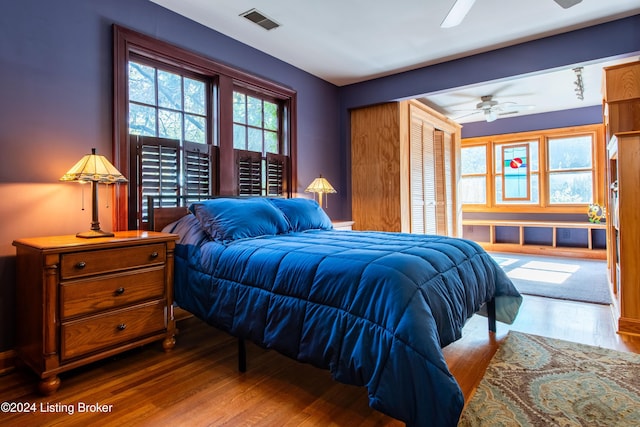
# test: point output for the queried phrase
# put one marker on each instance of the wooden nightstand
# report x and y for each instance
(80, 300)
(342, 225)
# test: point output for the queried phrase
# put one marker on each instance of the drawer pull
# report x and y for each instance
(154, 254)
(81, 265)
(119, 291)
(122, 326)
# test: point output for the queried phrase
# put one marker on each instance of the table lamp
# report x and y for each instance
(97, 170)
(321, 186)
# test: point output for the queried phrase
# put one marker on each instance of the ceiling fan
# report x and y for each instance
(491, 108)
(461, 7)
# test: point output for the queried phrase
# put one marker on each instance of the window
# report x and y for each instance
(570, 170)
(552, 171)
(171, 148)
(516, 174)
(166, 104)
(257, 143)
(186, 127)
(255, 124)
(473, 188)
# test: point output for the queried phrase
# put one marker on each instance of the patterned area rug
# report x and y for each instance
(536, 381)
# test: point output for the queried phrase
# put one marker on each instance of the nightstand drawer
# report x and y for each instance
(103, 261)
(98, 332)
(116, 290)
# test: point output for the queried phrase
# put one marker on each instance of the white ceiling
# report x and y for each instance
(348, 41)
(552, 90)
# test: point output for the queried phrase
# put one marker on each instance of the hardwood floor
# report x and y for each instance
(198, 383)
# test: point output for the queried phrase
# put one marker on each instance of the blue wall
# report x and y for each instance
(56, 88)
(577, 117)
(57, 99)
(57, 71)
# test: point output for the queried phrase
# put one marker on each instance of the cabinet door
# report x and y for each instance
(430, 178)
(443, 172)
(421, 177)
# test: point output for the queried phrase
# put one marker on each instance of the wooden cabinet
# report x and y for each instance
(624, 169)
(80, 300)
(621, 93)
(404, 169)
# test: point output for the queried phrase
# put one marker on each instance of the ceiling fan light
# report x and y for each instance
(490, 115)
(457, 13)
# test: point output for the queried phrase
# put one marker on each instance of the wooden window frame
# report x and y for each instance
(506, 201)
(594, 173)
(209, 84)
(282, 137)
(542, 136)
(128, 42)
(488, 156)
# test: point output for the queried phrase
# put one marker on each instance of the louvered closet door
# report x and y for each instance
(430, 211)
(421, 176)
(442, 176)
(416, 179)
(431, 177)
(448, 160)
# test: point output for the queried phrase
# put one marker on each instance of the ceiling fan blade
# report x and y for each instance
(508, 113)
(467, 115)
(465, 110)
(457, 13)
(512, 106)
(566, 4)
(497, 92)
(466, 96)
(491, 109)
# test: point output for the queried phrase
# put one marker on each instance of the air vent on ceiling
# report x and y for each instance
(566, 4)
(259, 18)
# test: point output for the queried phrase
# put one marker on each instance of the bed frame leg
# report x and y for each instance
(242, 355)
(491, 314)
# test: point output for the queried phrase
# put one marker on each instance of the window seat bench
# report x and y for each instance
(559, 238)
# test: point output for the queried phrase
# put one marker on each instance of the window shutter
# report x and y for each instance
(277, 173)
(249, 172)
(157, 164)
(261, 176)
(197, 169)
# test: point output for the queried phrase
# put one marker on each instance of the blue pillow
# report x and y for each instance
(231, 219)
(303, 214)
(189, 229)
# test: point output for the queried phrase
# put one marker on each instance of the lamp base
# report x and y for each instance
(94, 233)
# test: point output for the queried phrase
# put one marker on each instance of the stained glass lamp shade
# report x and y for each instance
(96, 169)
(321, 186)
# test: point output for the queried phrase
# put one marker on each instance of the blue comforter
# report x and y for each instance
(374, 308)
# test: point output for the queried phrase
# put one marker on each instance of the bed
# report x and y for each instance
(373, 308)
